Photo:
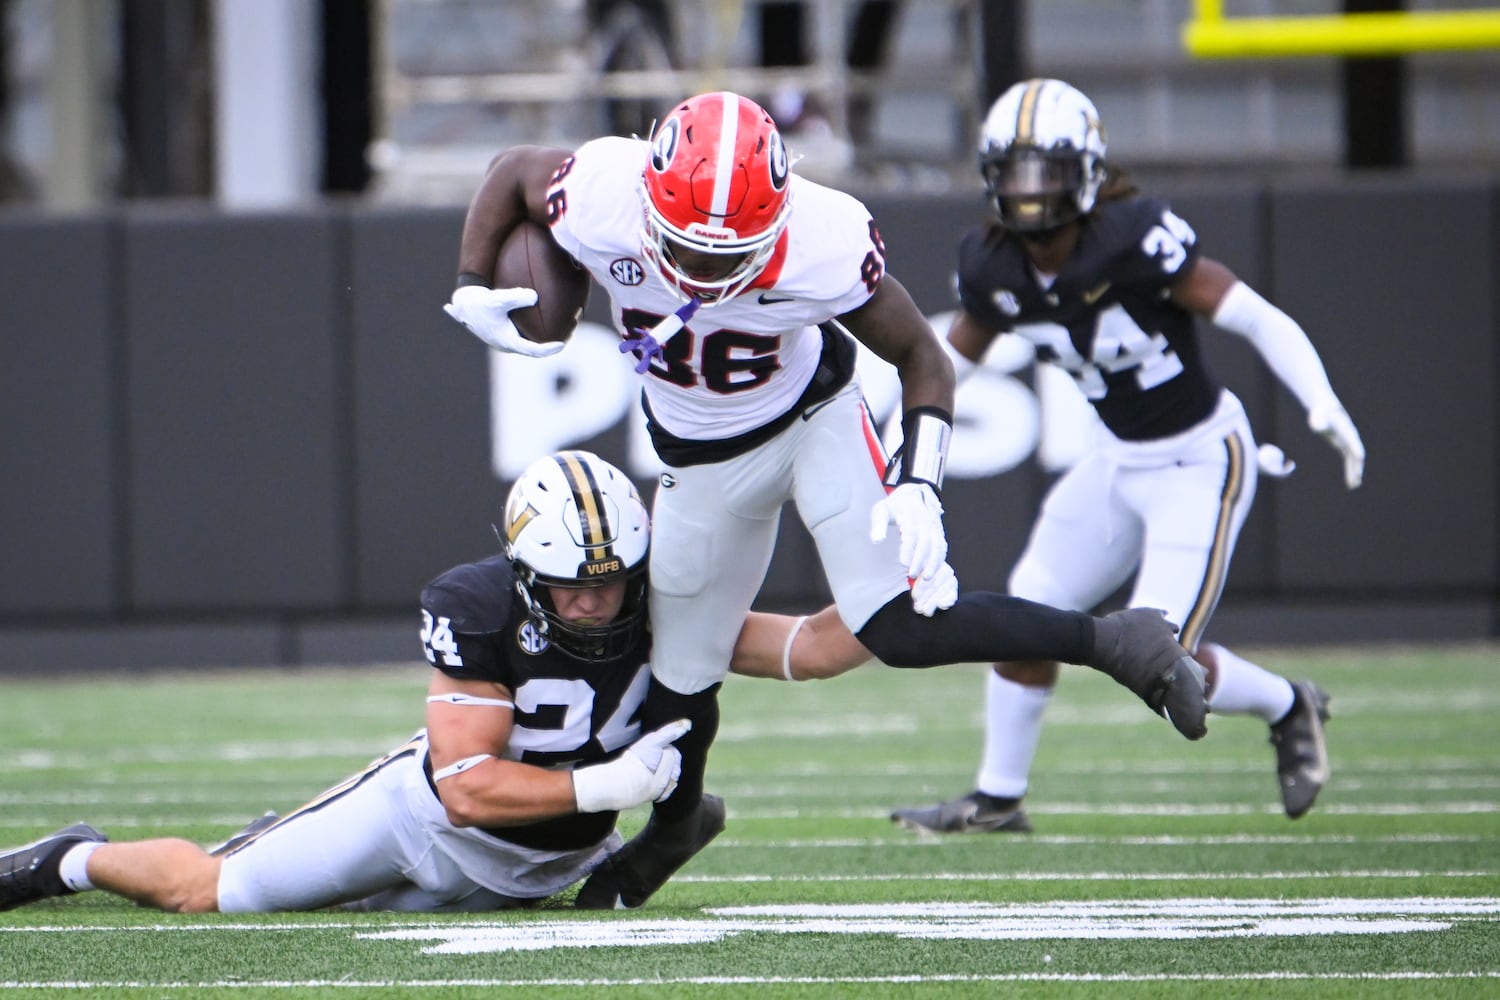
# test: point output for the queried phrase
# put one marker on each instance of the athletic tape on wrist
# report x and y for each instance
(471, 278)
(926, 432)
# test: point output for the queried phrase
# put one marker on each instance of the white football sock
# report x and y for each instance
(1242, 688)
(73, 869)
(1013, 728)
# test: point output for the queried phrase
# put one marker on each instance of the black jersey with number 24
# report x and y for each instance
(568, 712)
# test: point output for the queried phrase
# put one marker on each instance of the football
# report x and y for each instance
(530, 259)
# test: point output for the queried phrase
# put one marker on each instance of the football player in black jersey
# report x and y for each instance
(1106, 283)
(534, 741)
(510, 793)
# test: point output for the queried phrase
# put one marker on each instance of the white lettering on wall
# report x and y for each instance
(540, 405)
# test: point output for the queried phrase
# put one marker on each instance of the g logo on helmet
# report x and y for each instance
(776, 161)
(664, 145)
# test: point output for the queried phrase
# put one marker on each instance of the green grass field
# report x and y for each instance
(1159, 867)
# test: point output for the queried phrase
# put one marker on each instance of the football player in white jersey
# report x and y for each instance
(736, 286)
(1106, 284)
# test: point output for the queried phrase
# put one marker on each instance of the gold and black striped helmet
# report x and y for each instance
(574, 520)
(1041, 153)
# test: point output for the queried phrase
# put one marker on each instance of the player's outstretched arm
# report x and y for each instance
(786, 647)
(1210, 289)
(468, 727)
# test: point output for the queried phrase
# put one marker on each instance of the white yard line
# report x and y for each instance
(1021, 977)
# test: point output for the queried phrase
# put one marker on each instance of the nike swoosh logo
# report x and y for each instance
(767, 300)
(1092, 295)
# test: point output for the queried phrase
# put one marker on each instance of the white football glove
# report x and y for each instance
(918, 513)
(486, 314)
(646, 772)
(1333, 423)
(935, 594)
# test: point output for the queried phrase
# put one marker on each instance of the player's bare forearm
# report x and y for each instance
(821, 648)
(469, 723)
(892, 326)
(514, 188)
(506, 793)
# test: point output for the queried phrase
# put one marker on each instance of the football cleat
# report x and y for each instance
(631, 875)
(245, 835)
(30, 872)
(1138, 648)
(972, 813)
(1301, 753)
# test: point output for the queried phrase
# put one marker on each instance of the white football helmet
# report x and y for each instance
(1041, 152)
(717, 185)
(574, 520)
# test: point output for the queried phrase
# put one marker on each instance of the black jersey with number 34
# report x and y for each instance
(1107, 318)
(568, 712)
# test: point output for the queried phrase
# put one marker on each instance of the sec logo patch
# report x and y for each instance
(627, 271)
(530, 639)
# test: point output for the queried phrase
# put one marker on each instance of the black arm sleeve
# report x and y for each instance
(982, 627)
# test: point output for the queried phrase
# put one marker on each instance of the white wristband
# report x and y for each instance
(459, 698)
(459, 766)
(786, 651)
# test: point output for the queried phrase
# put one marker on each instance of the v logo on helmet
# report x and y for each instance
(516, 521)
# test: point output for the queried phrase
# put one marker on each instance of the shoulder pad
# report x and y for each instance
(1138, 240)
(991, 268)
(1119, 225)
(476, 597)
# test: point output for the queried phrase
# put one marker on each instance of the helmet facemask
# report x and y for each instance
(1034, 190)
(591, 643)
(743, 260)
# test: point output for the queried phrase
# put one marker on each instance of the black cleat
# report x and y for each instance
(29, 873)
(250, 830)
(631, 875)
(1301, 754)
(1138, 648)
(976, 812)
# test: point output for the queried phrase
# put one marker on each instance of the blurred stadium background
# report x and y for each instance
(238, 430)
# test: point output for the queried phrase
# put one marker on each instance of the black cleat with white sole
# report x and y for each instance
(30, 872)
(976, 812)
(631, 875)
(1301, 753)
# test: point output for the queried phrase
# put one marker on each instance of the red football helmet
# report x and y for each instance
(716, 196)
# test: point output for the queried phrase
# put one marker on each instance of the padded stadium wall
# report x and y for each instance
(251, 438)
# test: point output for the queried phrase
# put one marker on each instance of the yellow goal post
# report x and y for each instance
(1210, 34)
